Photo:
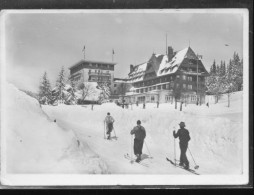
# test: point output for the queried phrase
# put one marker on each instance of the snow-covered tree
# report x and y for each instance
(85, 90)
(44, 90)
(236, 71)
(105, 91)
(60, 84)
(214, 86)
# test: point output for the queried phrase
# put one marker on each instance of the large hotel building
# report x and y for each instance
(159, 77)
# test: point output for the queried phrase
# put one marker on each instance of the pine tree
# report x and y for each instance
(60, 84)
(213, 68)
(45, 90)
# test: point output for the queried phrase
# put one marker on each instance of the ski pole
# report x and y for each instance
(148, 150)
(196, 166)
(175, 148)
(131, 148)
(104, 131)
(114, 132)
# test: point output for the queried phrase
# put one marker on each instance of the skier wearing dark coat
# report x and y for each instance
(140, 134)
(109, 120)
(184, 138)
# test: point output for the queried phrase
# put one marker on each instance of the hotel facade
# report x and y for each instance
(163, 76)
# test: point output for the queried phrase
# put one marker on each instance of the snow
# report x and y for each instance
(76, 144)
(174, 63)
(216, 135)
(36, 144)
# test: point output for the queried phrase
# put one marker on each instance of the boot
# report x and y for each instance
(186, 166)
(138, 158)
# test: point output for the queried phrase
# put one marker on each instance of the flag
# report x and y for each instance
(84, 48)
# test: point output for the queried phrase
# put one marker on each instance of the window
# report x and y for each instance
(152, 98)
(114, 91)
(193, 98)
(189, 78)
(114, 85)
(184, 86)
(189, 86)
(184, 77)
(89, 71)
(154, 87)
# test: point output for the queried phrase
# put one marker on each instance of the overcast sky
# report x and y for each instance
(41, 42)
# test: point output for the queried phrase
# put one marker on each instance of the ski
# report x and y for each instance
(132, 160)
(176, 165)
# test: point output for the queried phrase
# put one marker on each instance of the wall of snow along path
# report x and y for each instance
(216, 132)
(34, 144)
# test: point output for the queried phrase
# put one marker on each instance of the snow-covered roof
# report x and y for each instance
(172, 66)
(161, 64)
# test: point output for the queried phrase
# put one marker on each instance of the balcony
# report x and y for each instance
(99, 74)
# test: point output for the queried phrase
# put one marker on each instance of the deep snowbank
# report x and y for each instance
(216, 133)
(35, 144)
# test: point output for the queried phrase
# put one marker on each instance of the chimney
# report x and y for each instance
(170, 53)
(131, 68)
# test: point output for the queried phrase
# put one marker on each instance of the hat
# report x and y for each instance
(182, 124)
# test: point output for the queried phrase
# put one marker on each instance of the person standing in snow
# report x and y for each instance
(184, 138)
(140, 134)
(109, 120)
(144, 105)
(158, 104)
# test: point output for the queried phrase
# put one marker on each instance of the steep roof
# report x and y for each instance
(138, 72)
(161, 65)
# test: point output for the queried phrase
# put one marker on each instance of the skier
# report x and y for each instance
(140, 134)
(158, 104)
(184, 138)
(144, 105)
(109, 120)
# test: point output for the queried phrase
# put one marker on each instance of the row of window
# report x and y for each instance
(91, 78)
(98, 71)
(101, 65)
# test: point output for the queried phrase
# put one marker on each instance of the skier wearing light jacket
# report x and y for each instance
(184, 138)
(109, 120)
(140, 134)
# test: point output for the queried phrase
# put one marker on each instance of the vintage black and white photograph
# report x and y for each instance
(124, 97)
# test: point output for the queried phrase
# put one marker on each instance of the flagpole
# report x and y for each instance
(113, 55)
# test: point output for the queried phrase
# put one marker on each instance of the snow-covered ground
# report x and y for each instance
(216, 134)
(76, 144)
(36, 144)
